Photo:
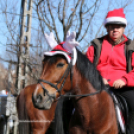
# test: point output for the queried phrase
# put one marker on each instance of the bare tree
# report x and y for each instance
(62, 15)
(11, 19)
(82, 16)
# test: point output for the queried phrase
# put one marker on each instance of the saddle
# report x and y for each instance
(121, 108)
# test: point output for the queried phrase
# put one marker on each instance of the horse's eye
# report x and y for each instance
(60, 65)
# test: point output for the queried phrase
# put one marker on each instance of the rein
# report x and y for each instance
(64, 77)
(82, 95)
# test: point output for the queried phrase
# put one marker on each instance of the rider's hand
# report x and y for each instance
(119, 84)
(105, 81)
(70, 41)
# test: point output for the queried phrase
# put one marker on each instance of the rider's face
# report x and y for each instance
(115, 31)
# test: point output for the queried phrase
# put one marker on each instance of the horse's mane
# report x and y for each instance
(89, 71)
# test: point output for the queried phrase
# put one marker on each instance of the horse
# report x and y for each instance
(31, 119)
(94, 111)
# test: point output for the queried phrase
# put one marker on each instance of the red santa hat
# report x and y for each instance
(60, 50)
(116, 16)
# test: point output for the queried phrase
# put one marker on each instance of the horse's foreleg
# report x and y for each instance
(77, 130)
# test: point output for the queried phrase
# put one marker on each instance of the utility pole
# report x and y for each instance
(24, 43)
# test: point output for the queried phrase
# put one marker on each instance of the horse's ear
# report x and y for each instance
(51, 40)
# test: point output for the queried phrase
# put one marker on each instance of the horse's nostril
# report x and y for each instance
(39, 98)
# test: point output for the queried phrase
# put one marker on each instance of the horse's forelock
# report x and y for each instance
(52, 59)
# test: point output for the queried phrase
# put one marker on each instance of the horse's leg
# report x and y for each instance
(77, 130)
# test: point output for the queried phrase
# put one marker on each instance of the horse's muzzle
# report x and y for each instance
(43, 102)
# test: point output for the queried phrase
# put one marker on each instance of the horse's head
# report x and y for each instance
(54, 81)
(56, 78)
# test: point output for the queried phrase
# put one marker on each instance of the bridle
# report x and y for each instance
(63, 78)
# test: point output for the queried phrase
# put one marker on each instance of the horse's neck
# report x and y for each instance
(83, 87)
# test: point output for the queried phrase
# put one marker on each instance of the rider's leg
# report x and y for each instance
(130, 125)
(128, 94)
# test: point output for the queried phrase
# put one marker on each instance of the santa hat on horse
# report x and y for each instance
(116, 16)
(66, 48)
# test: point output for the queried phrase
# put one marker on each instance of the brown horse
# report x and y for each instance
(94, 108)
(31, 119)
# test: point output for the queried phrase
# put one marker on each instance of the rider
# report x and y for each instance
(112, 63)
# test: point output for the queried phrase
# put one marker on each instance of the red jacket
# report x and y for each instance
(112, 62)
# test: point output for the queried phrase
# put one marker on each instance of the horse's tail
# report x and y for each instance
(24, 125)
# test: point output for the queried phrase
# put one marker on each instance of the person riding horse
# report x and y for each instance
(111, 60)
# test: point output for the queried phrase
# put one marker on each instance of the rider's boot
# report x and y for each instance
(130, 124)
